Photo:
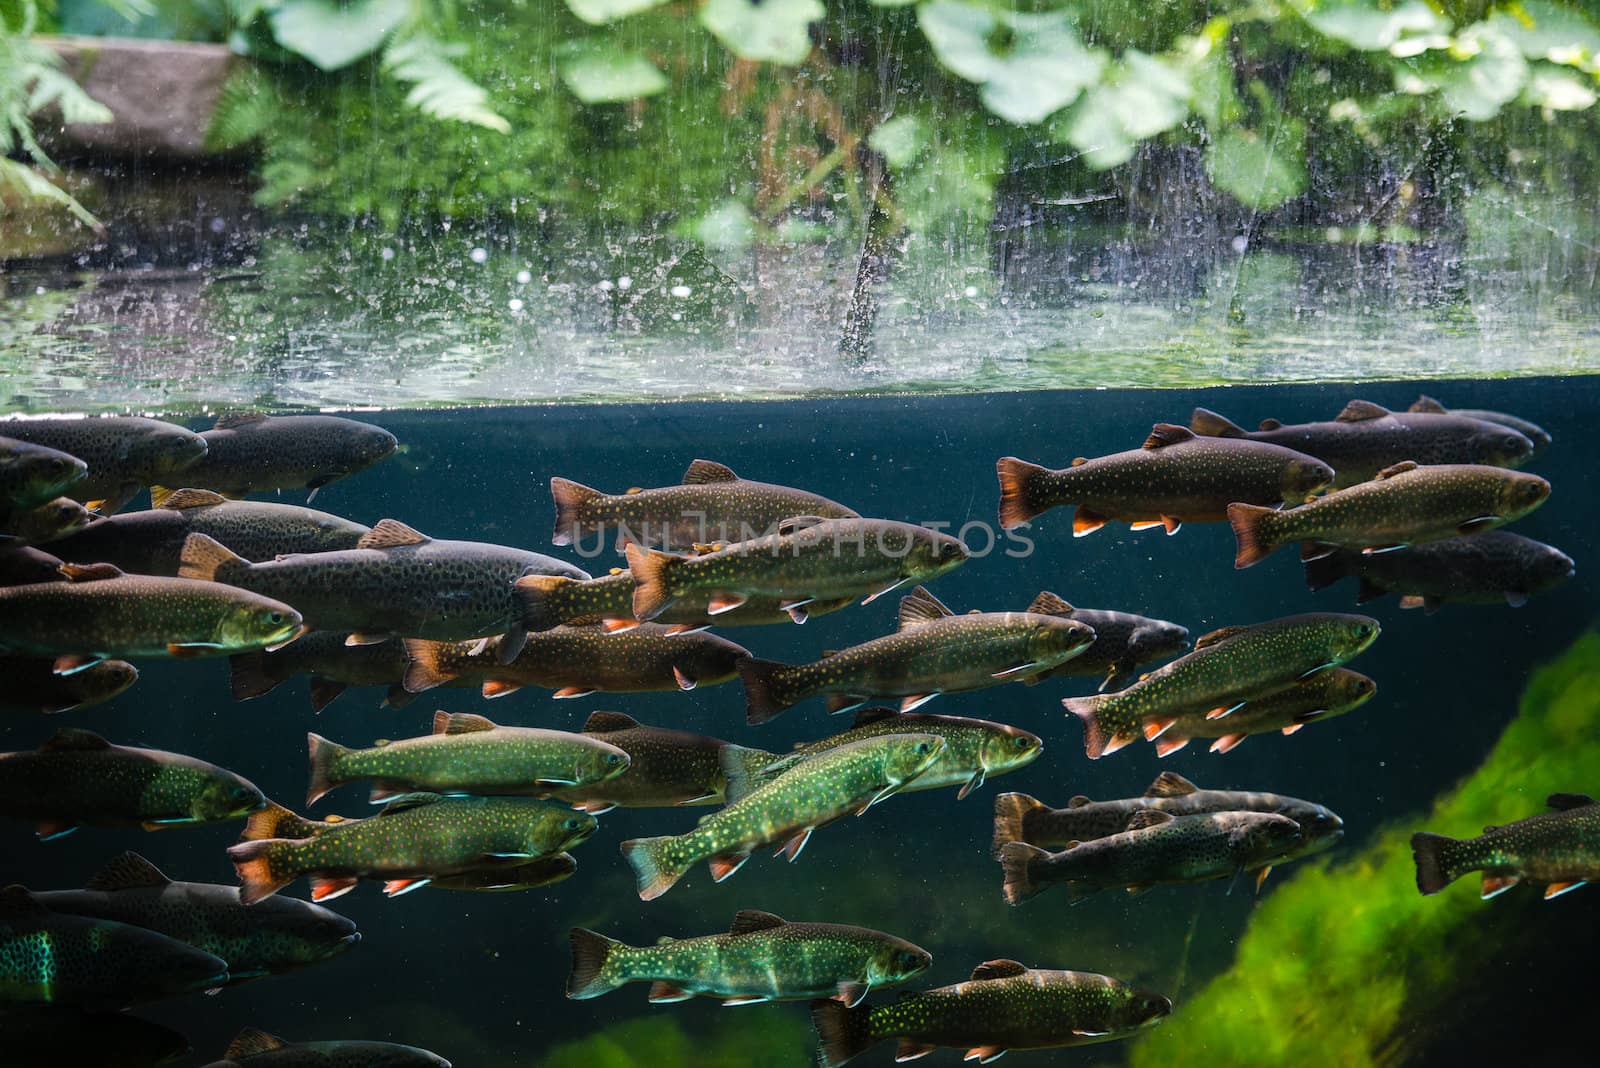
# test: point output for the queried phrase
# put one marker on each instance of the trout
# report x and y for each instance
(124, 453)
(551, 601)
(249, 452)
(1559, 848)
(1535, 433)
(32, 685)
(1493, 568)
(665, 767)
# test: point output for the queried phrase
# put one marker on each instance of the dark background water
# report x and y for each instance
(479, 978)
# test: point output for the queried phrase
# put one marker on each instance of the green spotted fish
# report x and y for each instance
(1559, 848)
(77, 778)
(550, 601)
(1226, 670)
(248, 452)
(1404, 505)
(784, 812)
(665, 767)
(1122, 642)
(1175, 478)
(269, 938)
(1498, 567)
(32, 685)
(974, 750)
(1004, 1006)
(713, 504)
(1323, 696)
(32, 474)
(934, 651)
(50, 958)
(807, 560)
(1532, 431)
(125, 453)
(414, 838)
(762, 958)
(466, 754)
(251, 1048)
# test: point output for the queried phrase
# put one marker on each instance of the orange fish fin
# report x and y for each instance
(567, 692)
(1168, 746)
(617, 626)
(1557, 889)
(791, 849)
(910, 1050)
(1226, 742)
(984, 1054)
(1291, 728)
(396, 887)
(725, 864)
(1144, 524)
(1495, 884)
(723, 601)
(1155, 728)
(493, 688)
(1172, 523)
(664, 993)
(1085, 522)
(684, 681)
(324, 889)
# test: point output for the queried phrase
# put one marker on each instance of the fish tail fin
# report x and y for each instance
(539, 601)
(1324, 571)
(571, 499)
(203, 557)
(1018, 503)
(1016, 861)
(651, 591)
(1434, 870)
(843, 1032)
(253, 862)
(1209, 424)
(741, 765)
(655, 872)
(325, 757)
(1097, 740)
(1255, 545)
(766, 696)
(248, 676)
(1011, 812)
(425, 666)
(590, 952)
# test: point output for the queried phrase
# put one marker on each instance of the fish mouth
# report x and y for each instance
(350, 939)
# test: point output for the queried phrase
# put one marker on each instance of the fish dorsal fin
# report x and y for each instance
(1395, 469)
(875, 715)
(1078, 801)
(461, 723)
(702, 471)
(1359, 411)
(1079, 461)
(747, 920)
(1164, 434)
(1170, 784)
(1426, 403)
(178, 500)
(1148, 817)
(1566, 801)
(919, 607)
(89, 572)
(249, 1042)
(605, 722)
(235, 420)
(408, 801)
(69, 738)
(1216, 637)
(128, 872)
(388, 534)
(1270, 424)
(17, 903)
(799, 522)
(1048, 604)
(999, 969)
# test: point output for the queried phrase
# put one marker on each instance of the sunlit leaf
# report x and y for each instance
(1542, 30)
(600, 12)
(900, 139)
(1260, 171)
(331, 36)
(599, 72)
(1030, 66)
(1481, 72)
(776, 31)
(1559, 90)
(1363, 24)
(1143, 96)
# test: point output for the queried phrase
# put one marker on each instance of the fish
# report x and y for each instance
(39, 1036)
(1323, 696)
(1559, 848)
(249, 452)
(101, 614)
(32, 684)
(551, 601)
(1497, 567)
(251, 1048)
(77, 778)
(33, 474)
(808, 560)
(1177, 477)
(1156, 847)
(665, 767)
(151, 542)
(55, 959)
(466, 754)
(578, 661)
(974, 750)
(395, 583)
(1004, 1006)
(1538, 435)
(1404, 505)
(1227, 669)
(21, 565)
(934, 651)
(45, 524)
(1367, 438)
(414, 838)
(333, 664)
(124, 453)
(763, 957)
(784, 812)
(501, 879)
(712, 504)
(1123, 642)
(270, 938)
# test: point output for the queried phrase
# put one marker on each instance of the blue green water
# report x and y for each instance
(479, 978)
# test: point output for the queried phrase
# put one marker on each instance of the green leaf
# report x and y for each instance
(439, 88)
(1260, 172)
(776, 31)
(1143, 96)
(900, 139)
(1543, 30)
(1481, 72)
(1030, 66)
(30, 184)
(599, 72)
(1558, 90)
(1361, 24)
(728, 225)
(600, 12)
(331, 36)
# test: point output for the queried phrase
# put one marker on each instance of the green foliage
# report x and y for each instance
(602, 73)
(332, 35)
(773, 31)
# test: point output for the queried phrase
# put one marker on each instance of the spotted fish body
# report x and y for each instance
(786, 810)
(762, 958)
(1559, 848)
(1123, 642)
(467, 754)
(713, 504)
(501, 879)
(333, 664)
(1227, 669)
(1004, 1006)
(1535, 433)
(934, 651)
(270, 938)
(32, 474)
(415, 837)
(1367, 438)
(1497, 567)
(124, 453)
(32, 684)
(1175, 478)
(551, 601)
(151, 542)
(257, 1049)
(77, 777)
(1323, 696)
(250, 453)
(665, 767)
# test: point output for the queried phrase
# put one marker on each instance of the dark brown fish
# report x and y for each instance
(251, 453)
(21, 565)
(1532, 431)
(668, 767)
(1123, 642)
(1497, 567)
(32, 474)
(32, 685)
(124, 453)
(333, 664)
(45, 523)
(551, 601)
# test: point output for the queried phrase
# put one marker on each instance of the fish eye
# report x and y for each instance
(274, 617)
(572, 824)
(923, 747)
(613, 758)
(1019, 742)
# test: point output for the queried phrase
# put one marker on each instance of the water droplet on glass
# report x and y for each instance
(479, 255)
(1240, 243)
(387, 254)
(514, 304)
(523, 278)
(971, 291)
(625, 283)
(680, 291)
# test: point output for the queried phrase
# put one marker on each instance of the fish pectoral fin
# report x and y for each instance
(916, 700)
(879, 796)
(1261, 876)
(895, 585)
(1387, 547)
(569, 692)
(1085, 522)
(910, 1050)
(851, 993)
(1482, 522)
(493, 688)
(1156, 727)
(684, 682)
(324, 889)
(1291, 728)
(1168, 746)
(1226, 742)
(396, 887)
(745, 999)
(1557, 889)
(984, 1054)
(724, 601)
(362, 638)
(971, 784)
(71, 665)
(725, 864)
(1020, 669)
(50, 830)
(664, 993)
(1496, 883)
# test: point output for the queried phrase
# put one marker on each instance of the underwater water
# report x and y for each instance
(480, 978)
